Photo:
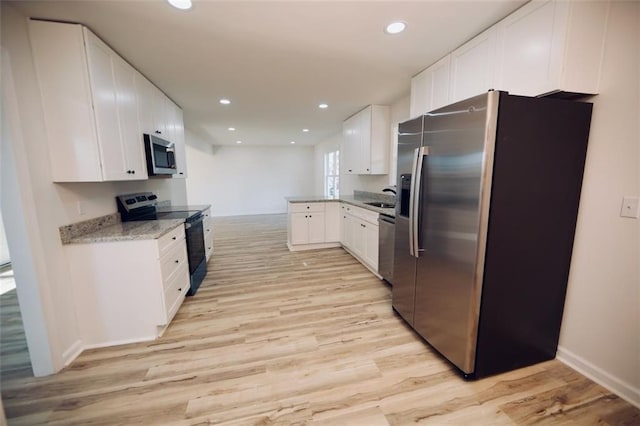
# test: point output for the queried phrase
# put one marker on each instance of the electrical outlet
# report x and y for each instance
(80, 207)
(630, 207)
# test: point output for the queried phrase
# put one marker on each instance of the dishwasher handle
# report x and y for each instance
(387, 219)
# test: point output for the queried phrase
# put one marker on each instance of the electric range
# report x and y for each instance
(144, 206)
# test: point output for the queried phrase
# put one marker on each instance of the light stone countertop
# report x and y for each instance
(349, 199)
(128, 231)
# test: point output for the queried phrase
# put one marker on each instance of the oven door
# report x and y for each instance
(194, 229)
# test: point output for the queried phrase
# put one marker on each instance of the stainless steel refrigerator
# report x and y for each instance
(488, 194)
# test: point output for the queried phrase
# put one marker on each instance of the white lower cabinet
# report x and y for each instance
(208, 233)
(313, 225)
(360, 234)
(128, 291)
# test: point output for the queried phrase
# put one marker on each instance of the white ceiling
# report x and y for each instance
(277, 61)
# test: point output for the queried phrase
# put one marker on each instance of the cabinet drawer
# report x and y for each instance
(360, 213)
(168, 241)
(172, 261)
(306, 207)
(175, 292)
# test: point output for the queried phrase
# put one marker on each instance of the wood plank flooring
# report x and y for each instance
(274, 337)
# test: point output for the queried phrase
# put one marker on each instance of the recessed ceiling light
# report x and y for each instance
(292, 142)
(180, 4)
(395, 27)
(323, 106)
(232, 129)
(238, 142)
(305, 130)
(225, 101)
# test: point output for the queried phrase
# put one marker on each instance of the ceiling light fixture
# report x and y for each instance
(232, 129)
(225, 101)
(323, 106)
(238, 142)
(292, 142)
(305, 130)
(395, 27)
(180, 4)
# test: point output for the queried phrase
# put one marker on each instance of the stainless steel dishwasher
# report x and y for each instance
(386, 241)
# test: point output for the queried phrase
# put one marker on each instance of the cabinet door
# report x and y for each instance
(527, 47)
(103, 86)
(332, 222)
(350, 145)
(473, 67)
(359, 241)
(178, 140)
(130, 134)
(59, 57)
(364, 123)
(348, 229)
(371, 244)
(299, 228)
(430, 88)
(316, 227)
(145, 94)
(159, 113)
(419, 90)
(439, 90)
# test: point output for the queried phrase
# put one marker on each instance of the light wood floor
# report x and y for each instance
(294, 338)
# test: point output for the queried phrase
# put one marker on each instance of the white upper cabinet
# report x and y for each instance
(159, 116)
(551, 46)
(430, 88)
(96, 106)
(365, 141)
(473, 67)
(546, 46)
(177, 137)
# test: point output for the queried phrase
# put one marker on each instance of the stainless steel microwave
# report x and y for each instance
(161, 156)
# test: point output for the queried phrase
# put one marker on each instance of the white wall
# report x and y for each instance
(601, 326)
(46, 291)
(245, 180)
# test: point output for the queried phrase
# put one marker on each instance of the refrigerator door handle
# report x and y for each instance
(414, 200)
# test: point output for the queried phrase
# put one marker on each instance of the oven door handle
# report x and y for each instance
(194, 222)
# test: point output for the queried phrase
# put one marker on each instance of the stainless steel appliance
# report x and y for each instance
(488, 194)
(142, 206)
(161, 157)
(386, 238)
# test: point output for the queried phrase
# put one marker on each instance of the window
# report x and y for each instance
(332, 174)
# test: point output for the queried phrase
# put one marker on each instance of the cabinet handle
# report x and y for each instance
(133, 172)
(350, 170)
(177, 261)
(173, 238)
(181, 173)
(158, 132)
(180, 290)
(307, 207)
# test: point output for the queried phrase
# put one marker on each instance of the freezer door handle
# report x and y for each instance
(414, 199)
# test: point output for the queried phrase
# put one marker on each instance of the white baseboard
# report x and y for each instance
(120, 342)
(72, 353)
(302, 247)
(621, 388)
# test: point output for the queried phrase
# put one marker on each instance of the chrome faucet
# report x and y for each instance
(390, 189)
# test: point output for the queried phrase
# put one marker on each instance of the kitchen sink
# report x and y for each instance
(380, 204)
